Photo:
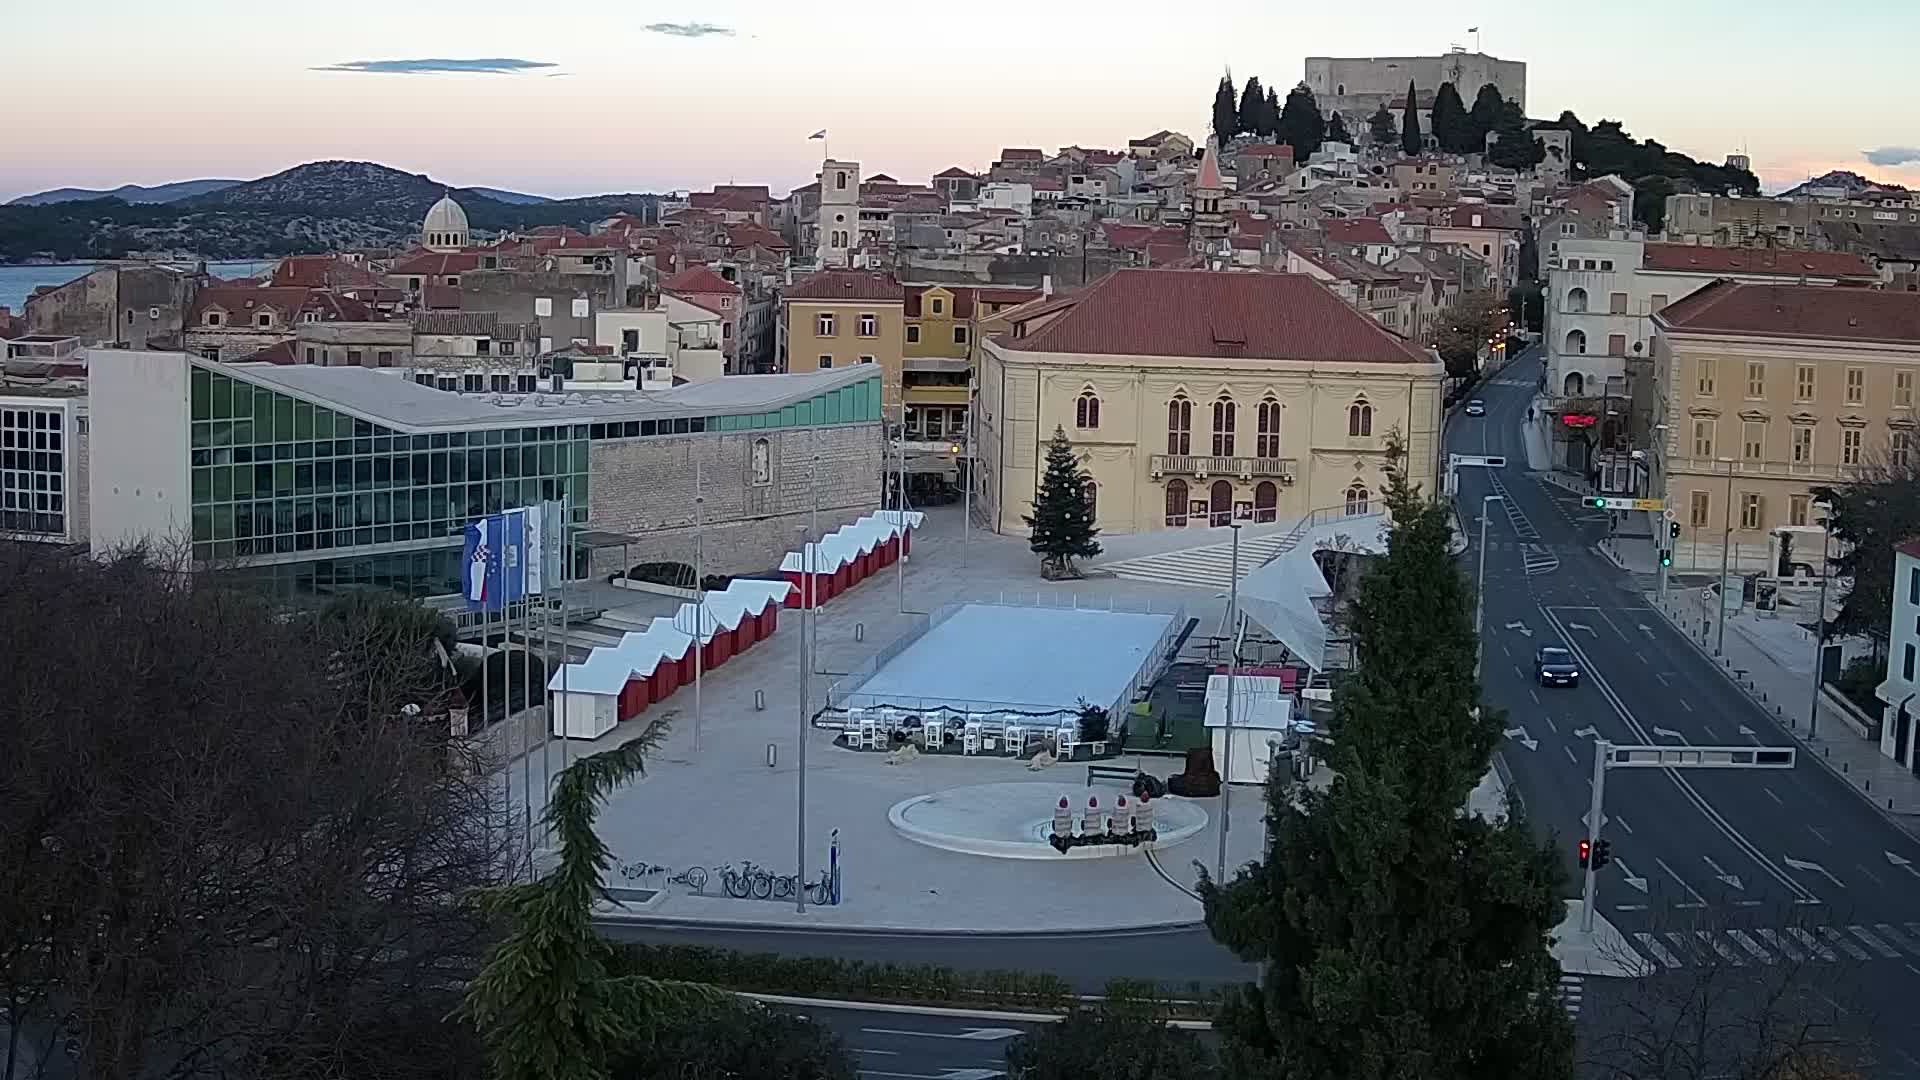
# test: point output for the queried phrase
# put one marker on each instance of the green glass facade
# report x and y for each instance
(274, 476)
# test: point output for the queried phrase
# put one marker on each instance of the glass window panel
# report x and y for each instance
(243, 431)
(303, 419)
(263, 479)
(223, 522)
(222, 397)
(580, 457)
(263, 417)
(282, 418)
(303, 451)
(243, 482)
(220, 433)
(243, 398)
(283, 478)
(303, 478)
(202, 485)
(383, 472)
(530, 460)
(323, 476)
(440, 467)
(202, 434)
(222, 483)
(201, 383)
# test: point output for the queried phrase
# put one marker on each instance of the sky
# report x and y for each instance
(598, 96)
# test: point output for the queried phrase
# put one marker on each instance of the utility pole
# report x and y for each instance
(700, 596)
(1595, 818)
(1820, 618)
(900, 510)
(1233, 664)
(1480, 590)
(1726, 551)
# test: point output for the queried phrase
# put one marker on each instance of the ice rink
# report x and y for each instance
(985, 656)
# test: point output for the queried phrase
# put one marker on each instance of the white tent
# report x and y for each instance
(589, 705)
(1262, 718)
(1280, 595)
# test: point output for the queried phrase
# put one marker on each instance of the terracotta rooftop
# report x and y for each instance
(699, 279)
(239, 300)
(845, 285)
(436, 263)
(323, 271)
(1718, 260)
(1199, 313)
(1909, 548)
(1357, 231)
(954, 173)
(1806, 312)
(1021, 154)
(1491, 216)
(1267, 150)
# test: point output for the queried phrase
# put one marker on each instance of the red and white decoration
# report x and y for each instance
(847, 556)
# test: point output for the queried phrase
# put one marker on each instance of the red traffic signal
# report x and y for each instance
(1586, 852)
(1603, 854)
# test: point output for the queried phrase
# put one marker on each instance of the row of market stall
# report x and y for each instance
(617, 683)
(847, 556)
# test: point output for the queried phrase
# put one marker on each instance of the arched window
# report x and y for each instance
(1266, 502)
(1176, 502)
(1577, 342)
(1224, 414)
(1086, 410)
(1093, 500)
(1220, 504)
(1357, 499)
(1360, 418)
(1575, 384)
(1179, 426)
(1576, 299)
(1267, 439)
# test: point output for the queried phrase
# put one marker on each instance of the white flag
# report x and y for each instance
(536, 549)
(821, 134)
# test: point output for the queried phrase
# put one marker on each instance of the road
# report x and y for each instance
(914, 1046)
(1710, 868)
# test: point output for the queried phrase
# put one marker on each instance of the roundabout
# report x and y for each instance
(1016, 821)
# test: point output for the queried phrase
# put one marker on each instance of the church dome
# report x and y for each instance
(446, 225)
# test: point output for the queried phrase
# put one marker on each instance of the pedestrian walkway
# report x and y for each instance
(1765, 945)
(1782, 683)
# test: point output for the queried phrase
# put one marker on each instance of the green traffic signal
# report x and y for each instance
(1597, 502)
(1666, 558)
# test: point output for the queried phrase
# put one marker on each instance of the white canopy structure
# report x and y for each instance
(1280, 596)
(1262, 719)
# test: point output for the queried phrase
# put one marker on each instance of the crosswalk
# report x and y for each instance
(1572, 988)
(1207, 567)
(1741, 947)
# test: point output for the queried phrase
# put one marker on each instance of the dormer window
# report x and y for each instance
(264, 319)
(212, 318)
(307, 316)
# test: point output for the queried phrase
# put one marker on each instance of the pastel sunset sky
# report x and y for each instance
(643, 95)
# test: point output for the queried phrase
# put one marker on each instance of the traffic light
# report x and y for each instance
(1673, 530)
(1597, 502)
(1603, 854)
(1666, 557)
(1586, 852)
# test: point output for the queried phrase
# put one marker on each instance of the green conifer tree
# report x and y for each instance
(1062, 519)
(1410, 141)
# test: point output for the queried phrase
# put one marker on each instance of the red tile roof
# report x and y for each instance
(1209, 178)
(1129, 237)
(846, 285)
(699, 279)
(290, 301)
(1021, 154)
(1718, 260)
(1807, 312)
(1910, 548)
(323, 271)
(1357, 231)
(280, 352)
(435, 263)
(1201, 313)
(749, 235)
(440, 297)
(726, 200)
(954, 173)
(1268, 150)
(1491, 216)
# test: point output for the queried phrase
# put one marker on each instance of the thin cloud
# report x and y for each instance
(495, 65)
(689, 29)
(1890, 156)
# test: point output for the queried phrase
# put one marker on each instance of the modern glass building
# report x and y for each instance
(39, 494)
(322, 478)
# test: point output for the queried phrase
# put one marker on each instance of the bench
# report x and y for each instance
(1111, 772)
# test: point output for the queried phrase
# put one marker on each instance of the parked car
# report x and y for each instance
(1555, 666)
(1476, 407)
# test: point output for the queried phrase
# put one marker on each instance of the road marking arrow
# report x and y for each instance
(1519, 735)
(1582, 626)
(1903, 864)
(1745, 730)
(1669, 733)
(1586, 733)
(1587, 820)
(1798, 864)
(1522, 627)
(1632, 882)
(1647, 630)
(1725, 878)
(971, 1034)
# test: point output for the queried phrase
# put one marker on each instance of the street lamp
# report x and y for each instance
(1726, 550)
(1820, 615)
(1480, 590)
(1233, 667)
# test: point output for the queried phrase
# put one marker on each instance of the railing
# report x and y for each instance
(1782, 470)
(1244, 467)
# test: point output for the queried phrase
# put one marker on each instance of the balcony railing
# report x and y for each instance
(1246, 468)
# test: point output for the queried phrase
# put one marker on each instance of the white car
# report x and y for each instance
(1476, 407)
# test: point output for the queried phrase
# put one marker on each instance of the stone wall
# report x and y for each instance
(645, 488)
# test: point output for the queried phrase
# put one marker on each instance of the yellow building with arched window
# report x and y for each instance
(1196, 398)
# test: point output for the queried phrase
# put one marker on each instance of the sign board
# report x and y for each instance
(1608, 503)
(1484, 461)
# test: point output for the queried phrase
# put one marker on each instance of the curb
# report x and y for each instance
(621, 918)
(1901, 820)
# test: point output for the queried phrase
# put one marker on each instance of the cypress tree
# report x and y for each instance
(1337, 130)
(1382, 127)
(1270, 115)
(1450, 127)
(1253, 107)
(1398, 937)
(1410, 122)
(1226, 116)
(1301, 125)
(1485, 114)
(1062, 519)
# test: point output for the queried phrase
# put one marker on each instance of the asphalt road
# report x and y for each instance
(914, 1046)
(1711, 868)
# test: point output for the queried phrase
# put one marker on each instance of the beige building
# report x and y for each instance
(1197, 397)
(1767, 391)
(840, 318)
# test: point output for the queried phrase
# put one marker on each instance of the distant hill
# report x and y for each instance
(1850, 182)
(317, 207)
(126, 193)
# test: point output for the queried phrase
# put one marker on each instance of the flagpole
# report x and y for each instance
(566, 655)
(700, 598)
(509, 543)
(546, 675)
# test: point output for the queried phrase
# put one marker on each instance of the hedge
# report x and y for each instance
(821, 976)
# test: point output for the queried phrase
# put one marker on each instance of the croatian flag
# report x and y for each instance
(496, 562)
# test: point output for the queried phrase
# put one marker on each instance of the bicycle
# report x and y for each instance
(746, 881)
(693, 877)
